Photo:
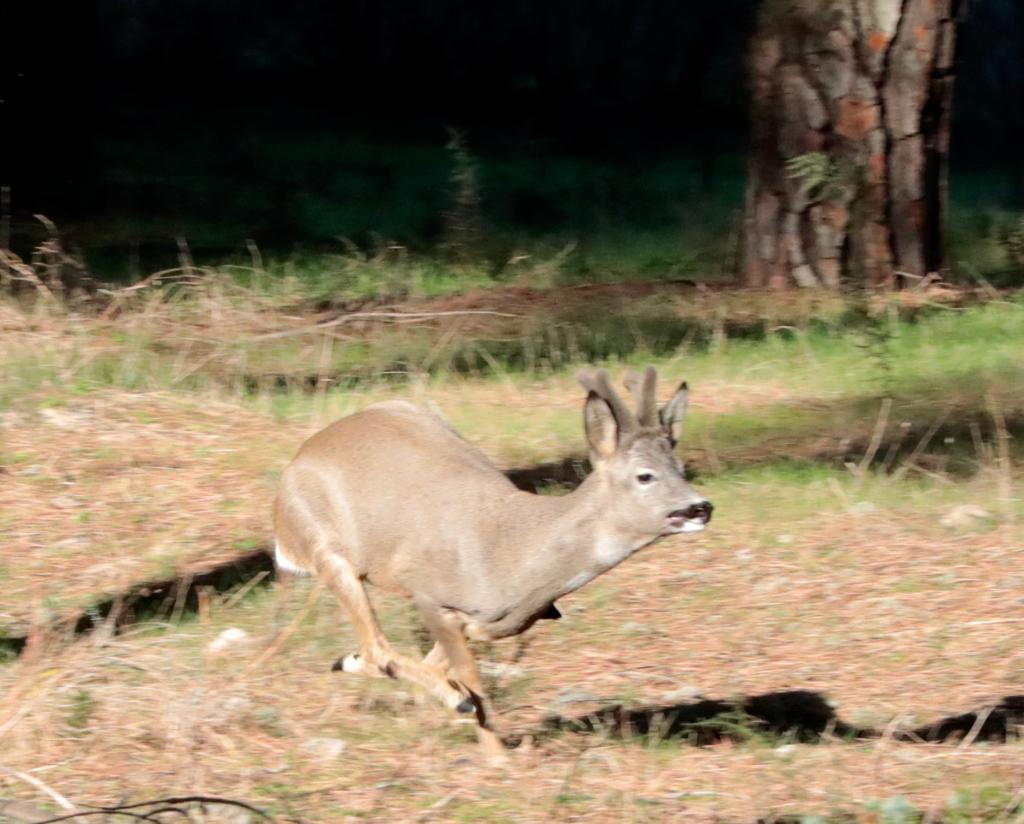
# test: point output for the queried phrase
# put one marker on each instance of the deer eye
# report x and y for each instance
(644, 478)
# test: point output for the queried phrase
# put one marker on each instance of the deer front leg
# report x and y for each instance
(462, 666)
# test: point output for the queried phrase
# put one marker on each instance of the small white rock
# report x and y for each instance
(236, 707)
(324, 748)
(687, 692)
(230, 637)
(496, 669)
(62, 418)
(965, 515)
(863, 508)
(569, 695)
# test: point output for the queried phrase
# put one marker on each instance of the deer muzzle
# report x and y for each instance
(691, 519)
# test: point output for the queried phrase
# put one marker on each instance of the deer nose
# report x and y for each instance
(698, 512)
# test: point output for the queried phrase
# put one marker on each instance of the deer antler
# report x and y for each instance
(644, 389)
(597, 382)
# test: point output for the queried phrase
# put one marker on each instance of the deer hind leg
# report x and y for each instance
(376, 655)
(438, 660)
(453, 646)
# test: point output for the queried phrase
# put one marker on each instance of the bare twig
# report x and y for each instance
(976, 727)
(159, 805)
(288, 631)
(1003, 451)
(41, 786)
(245, 589)
(922, 445)
(398, 317)
(876, 438)
(438, 805)
(18, 270)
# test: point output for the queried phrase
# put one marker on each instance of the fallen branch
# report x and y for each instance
(399, 317)
(159, 806)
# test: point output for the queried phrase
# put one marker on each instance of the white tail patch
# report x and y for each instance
(352, 663)
(284, 564)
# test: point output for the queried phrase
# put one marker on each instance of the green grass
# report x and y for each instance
(830, 372)
(953, 362)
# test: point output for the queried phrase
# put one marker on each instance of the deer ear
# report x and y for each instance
(674, 413)
(601, 427)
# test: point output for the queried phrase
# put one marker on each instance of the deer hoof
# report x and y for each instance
(349, 663)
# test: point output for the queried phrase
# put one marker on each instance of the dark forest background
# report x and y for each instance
(621, 125)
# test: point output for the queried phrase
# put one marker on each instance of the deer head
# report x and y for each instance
(634, 456)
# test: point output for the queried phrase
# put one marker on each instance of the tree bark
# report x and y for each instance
(847, 173)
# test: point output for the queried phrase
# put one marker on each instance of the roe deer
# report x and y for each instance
(392, 496)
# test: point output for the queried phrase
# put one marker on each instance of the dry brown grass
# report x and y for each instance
(885, 612)
(116, 488)
(110, 489)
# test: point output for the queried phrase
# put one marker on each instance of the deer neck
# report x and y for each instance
(545, 547)
(560, 543)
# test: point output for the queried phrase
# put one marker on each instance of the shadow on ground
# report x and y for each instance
(150, 600)
(796, 715)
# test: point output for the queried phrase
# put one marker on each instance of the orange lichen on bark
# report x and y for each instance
(876, 168)
(837, 214)
(878, 41)
(856, 118)
(828, 269)
(918, 215)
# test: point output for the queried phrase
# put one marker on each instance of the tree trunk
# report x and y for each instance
(847, 171)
